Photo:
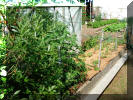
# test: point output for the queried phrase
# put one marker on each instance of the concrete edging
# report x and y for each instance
(92, 89)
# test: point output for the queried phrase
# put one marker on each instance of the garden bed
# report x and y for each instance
(101, 81)
(90, 31)
(91, 61)
(90, 57)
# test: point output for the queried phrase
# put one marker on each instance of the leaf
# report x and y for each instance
(1, 96)
(25, 99)
(17, 92)
(3, 79)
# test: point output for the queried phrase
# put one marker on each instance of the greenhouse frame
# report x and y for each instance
(68, 12)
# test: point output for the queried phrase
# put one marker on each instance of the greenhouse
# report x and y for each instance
(69, 12)
(60, 50)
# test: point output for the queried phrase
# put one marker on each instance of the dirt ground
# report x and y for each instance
(88, 31)
(107, 55)
(105, 59)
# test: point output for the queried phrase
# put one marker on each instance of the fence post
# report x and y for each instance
(99, 58)
(116, 40)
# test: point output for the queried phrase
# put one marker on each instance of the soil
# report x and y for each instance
(107, 54)
(91, 56)
(88, 31)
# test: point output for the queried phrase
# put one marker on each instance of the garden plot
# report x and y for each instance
(90, 58)
(112, 44)
(93, 28)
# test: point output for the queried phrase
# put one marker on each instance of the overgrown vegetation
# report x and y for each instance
(40, 57)
(100, 23)
(2, 67)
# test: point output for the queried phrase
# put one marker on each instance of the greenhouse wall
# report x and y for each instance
(72, 17)
(69, 15)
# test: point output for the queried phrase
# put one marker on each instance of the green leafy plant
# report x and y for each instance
(115, 27)
(96, 69)
(89, 54)
(100, 23)
(3, 72)
(40, 57)
(90, 43)
(95, 62)
(107, 50)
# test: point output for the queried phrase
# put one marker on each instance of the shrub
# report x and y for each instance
(40, 57)
(2, 68)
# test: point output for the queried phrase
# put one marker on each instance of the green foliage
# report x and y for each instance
(115, 27)
(95, 62)
(2, 68)
(96, 69)
(2, 49)
(90, 43)
(100, 23)
(121, 41)
(40, 57)
(89, 54)
(0, 28)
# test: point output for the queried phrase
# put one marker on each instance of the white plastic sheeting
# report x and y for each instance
(69, 12)
(69, 15)
(112, 8)
(72, 17)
